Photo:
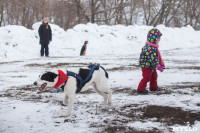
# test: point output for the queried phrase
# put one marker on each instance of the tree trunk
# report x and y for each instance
(1, 11)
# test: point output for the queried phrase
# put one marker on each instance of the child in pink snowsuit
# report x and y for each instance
(150, 59)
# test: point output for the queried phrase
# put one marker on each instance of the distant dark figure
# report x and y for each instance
(45, 37)
(83, 49)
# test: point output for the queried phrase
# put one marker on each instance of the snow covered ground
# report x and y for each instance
(176, 108)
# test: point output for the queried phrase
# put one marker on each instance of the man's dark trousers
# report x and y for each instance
(44, 47)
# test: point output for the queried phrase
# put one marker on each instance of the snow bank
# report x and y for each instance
(17, 42)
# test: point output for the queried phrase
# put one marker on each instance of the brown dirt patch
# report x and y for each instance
(53, 65)
(8, 95)
(70, 64)
(1, 63)
(171, 115)
(124, 68)
(135, 112)
(184, 67)
(120, 129)
(164, 114)
(122, 90)
(190, 67)
(28, 93)
(184, 85)
(189, 62)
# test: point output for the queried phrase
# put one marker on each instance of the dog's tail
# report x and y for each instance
(105, 72)
(99, 66)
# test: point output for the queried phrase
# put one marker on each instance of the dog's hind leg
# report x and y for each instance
(109, 96)
(105, 97)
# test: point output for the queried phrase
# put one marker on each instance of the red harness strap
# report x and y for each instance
(62, 77)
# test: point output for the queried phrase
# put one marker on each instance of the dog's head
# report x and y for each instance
(46, 79)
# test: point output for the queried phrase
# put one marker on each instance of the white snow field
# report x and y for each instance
(175, 108)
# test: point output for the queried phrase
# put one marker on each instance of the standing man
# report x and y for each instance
(45, 37)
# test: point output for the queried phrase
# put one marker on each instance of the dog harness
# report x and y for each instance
(78, 77)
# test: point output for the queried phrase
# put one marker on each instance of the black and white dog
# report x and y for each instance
(76, 80)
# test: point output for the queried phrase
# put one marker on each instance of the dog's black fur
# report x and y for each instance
(49, 76)
(83, 73)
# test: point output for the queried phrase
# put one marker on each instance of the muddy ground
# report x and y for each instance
(168, 116)
(122, 115)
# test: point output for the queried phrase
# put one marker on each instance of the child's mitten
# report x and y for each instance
(160, 68)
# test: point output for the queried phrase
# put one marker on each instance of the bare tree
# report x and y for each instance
(2, 2)
(68, 13)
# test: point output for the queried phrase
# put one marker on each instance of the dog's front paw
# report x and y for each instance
(65, 115)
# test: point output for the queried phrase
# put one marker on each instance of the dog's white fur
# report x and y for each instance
(99, 82)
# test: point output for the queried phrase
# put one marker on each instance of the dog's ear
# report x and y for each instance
(49, 76)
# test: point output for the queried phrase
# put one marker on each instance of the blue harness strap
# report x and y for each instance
(90, 73)
(69, 73)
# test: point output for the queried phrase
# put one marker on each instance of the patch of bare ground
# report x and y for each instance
(37, 65)
(184, 67)
(1, 63)
(120, 129)
(131, 91)
(195, 86)
(162, 91)
(170, 115)
(124, 115)
(124, 68)
(193, 62)
(69, 64)
(167, 89)
(133, 112)
(122, 90)
(53, 65)
(190, 67)
(28, 93)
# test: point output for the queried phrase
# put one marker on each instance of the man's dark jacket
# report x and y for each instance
(45, 34)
